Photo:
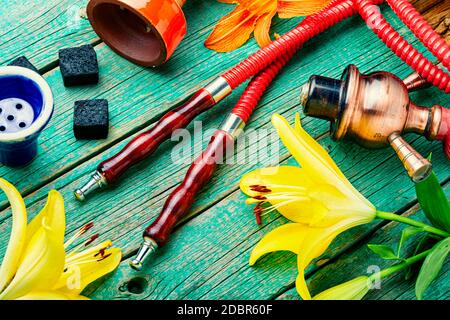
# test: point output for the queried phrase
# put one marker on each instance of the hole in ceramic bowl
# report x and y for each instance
(15, 118)
(21, 102)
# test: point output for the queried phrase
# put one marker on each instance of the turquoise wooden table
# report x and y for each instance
(207, 257)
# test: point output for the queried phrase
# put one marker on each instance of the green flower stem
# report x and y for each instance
(399, 266)
(424, 226)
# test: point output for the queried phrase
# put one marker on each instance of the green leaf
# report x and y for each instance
(431, 266)
(433, 202)
(385, 252)
(427, 241)
(406, 234)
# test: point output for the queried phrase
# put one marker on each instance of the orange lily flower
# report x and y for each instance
(255, 16)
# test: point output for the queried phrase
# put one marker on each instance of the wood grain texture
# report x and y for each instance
(207, 257)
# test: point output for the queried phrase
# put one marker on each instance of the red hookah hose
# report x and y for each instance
(422, 30)
(180, 200)
(270, 61)
(266, 63)
(293, 40)
(257, 86)
(290, 42)
(424, 67)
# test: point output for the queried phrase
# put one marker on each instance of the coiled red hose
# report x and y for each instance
(256, 88)
(422, 30)
(290, 42)
(282, 50)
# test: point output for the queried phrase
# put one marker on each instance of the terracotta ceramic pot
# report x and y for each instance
(145, 32)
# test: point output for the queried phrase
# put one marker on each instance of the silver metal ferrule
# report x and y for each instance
(218, 88)
(96, 181)
(233, 125)
(147, 247)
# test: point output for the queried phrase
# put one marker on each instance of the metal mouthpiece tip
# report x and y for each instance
(79, 195)
(136, 264)
(147, 247)
(96, 181)
(422, 173)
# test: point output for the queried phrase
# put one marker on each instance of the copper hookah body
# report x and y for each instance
(374, 110)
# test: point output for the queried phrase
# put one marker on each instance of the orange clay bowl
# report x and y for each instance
(145, 32)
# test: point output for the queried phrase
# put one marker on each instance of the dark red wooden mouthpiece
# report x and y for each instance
(146, 143)
(180, 200)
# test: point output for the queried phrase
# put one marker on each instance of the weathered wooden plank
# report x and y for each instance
(361, 261)
(132, 191)
(149, 94)
(218, 243)
(38, 29)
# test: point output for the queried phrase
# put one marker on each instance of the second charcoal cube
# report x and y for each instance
(79, 65)
(91, 119)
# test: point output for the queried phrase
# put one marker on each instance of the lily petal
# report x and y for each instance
(293, 8)
(78, 276)
(230, 1)
(311, 156)
(18, 234)
(307, 242)
(288, 237)
(43, 259)
(307, 151)
(52, 213)
(280, 179)
(286, 180)
(354, 289)
(50, 295)
(315, 244)
(233, 30)
(262, 28)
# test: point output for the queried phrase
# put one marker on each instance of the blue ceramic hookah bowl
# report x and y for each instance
(26, 106)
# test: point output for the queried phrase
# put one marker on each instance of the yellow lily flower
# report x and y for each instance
(317, 197)
(354, 289)
(36, 265)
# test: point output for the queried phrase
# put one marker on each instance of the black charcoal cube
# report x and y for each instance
(79, 66)
(23, 62)
(91, 119)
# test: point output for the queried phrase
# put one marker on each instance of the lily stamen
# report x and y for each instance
(91, 252)
(78, 234)
(82, 245)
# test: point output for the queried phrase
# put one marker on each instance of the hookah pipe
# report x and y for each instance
(268, 62)
(357, 111)
(322, 98)
(280, 51)
(273, 57)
